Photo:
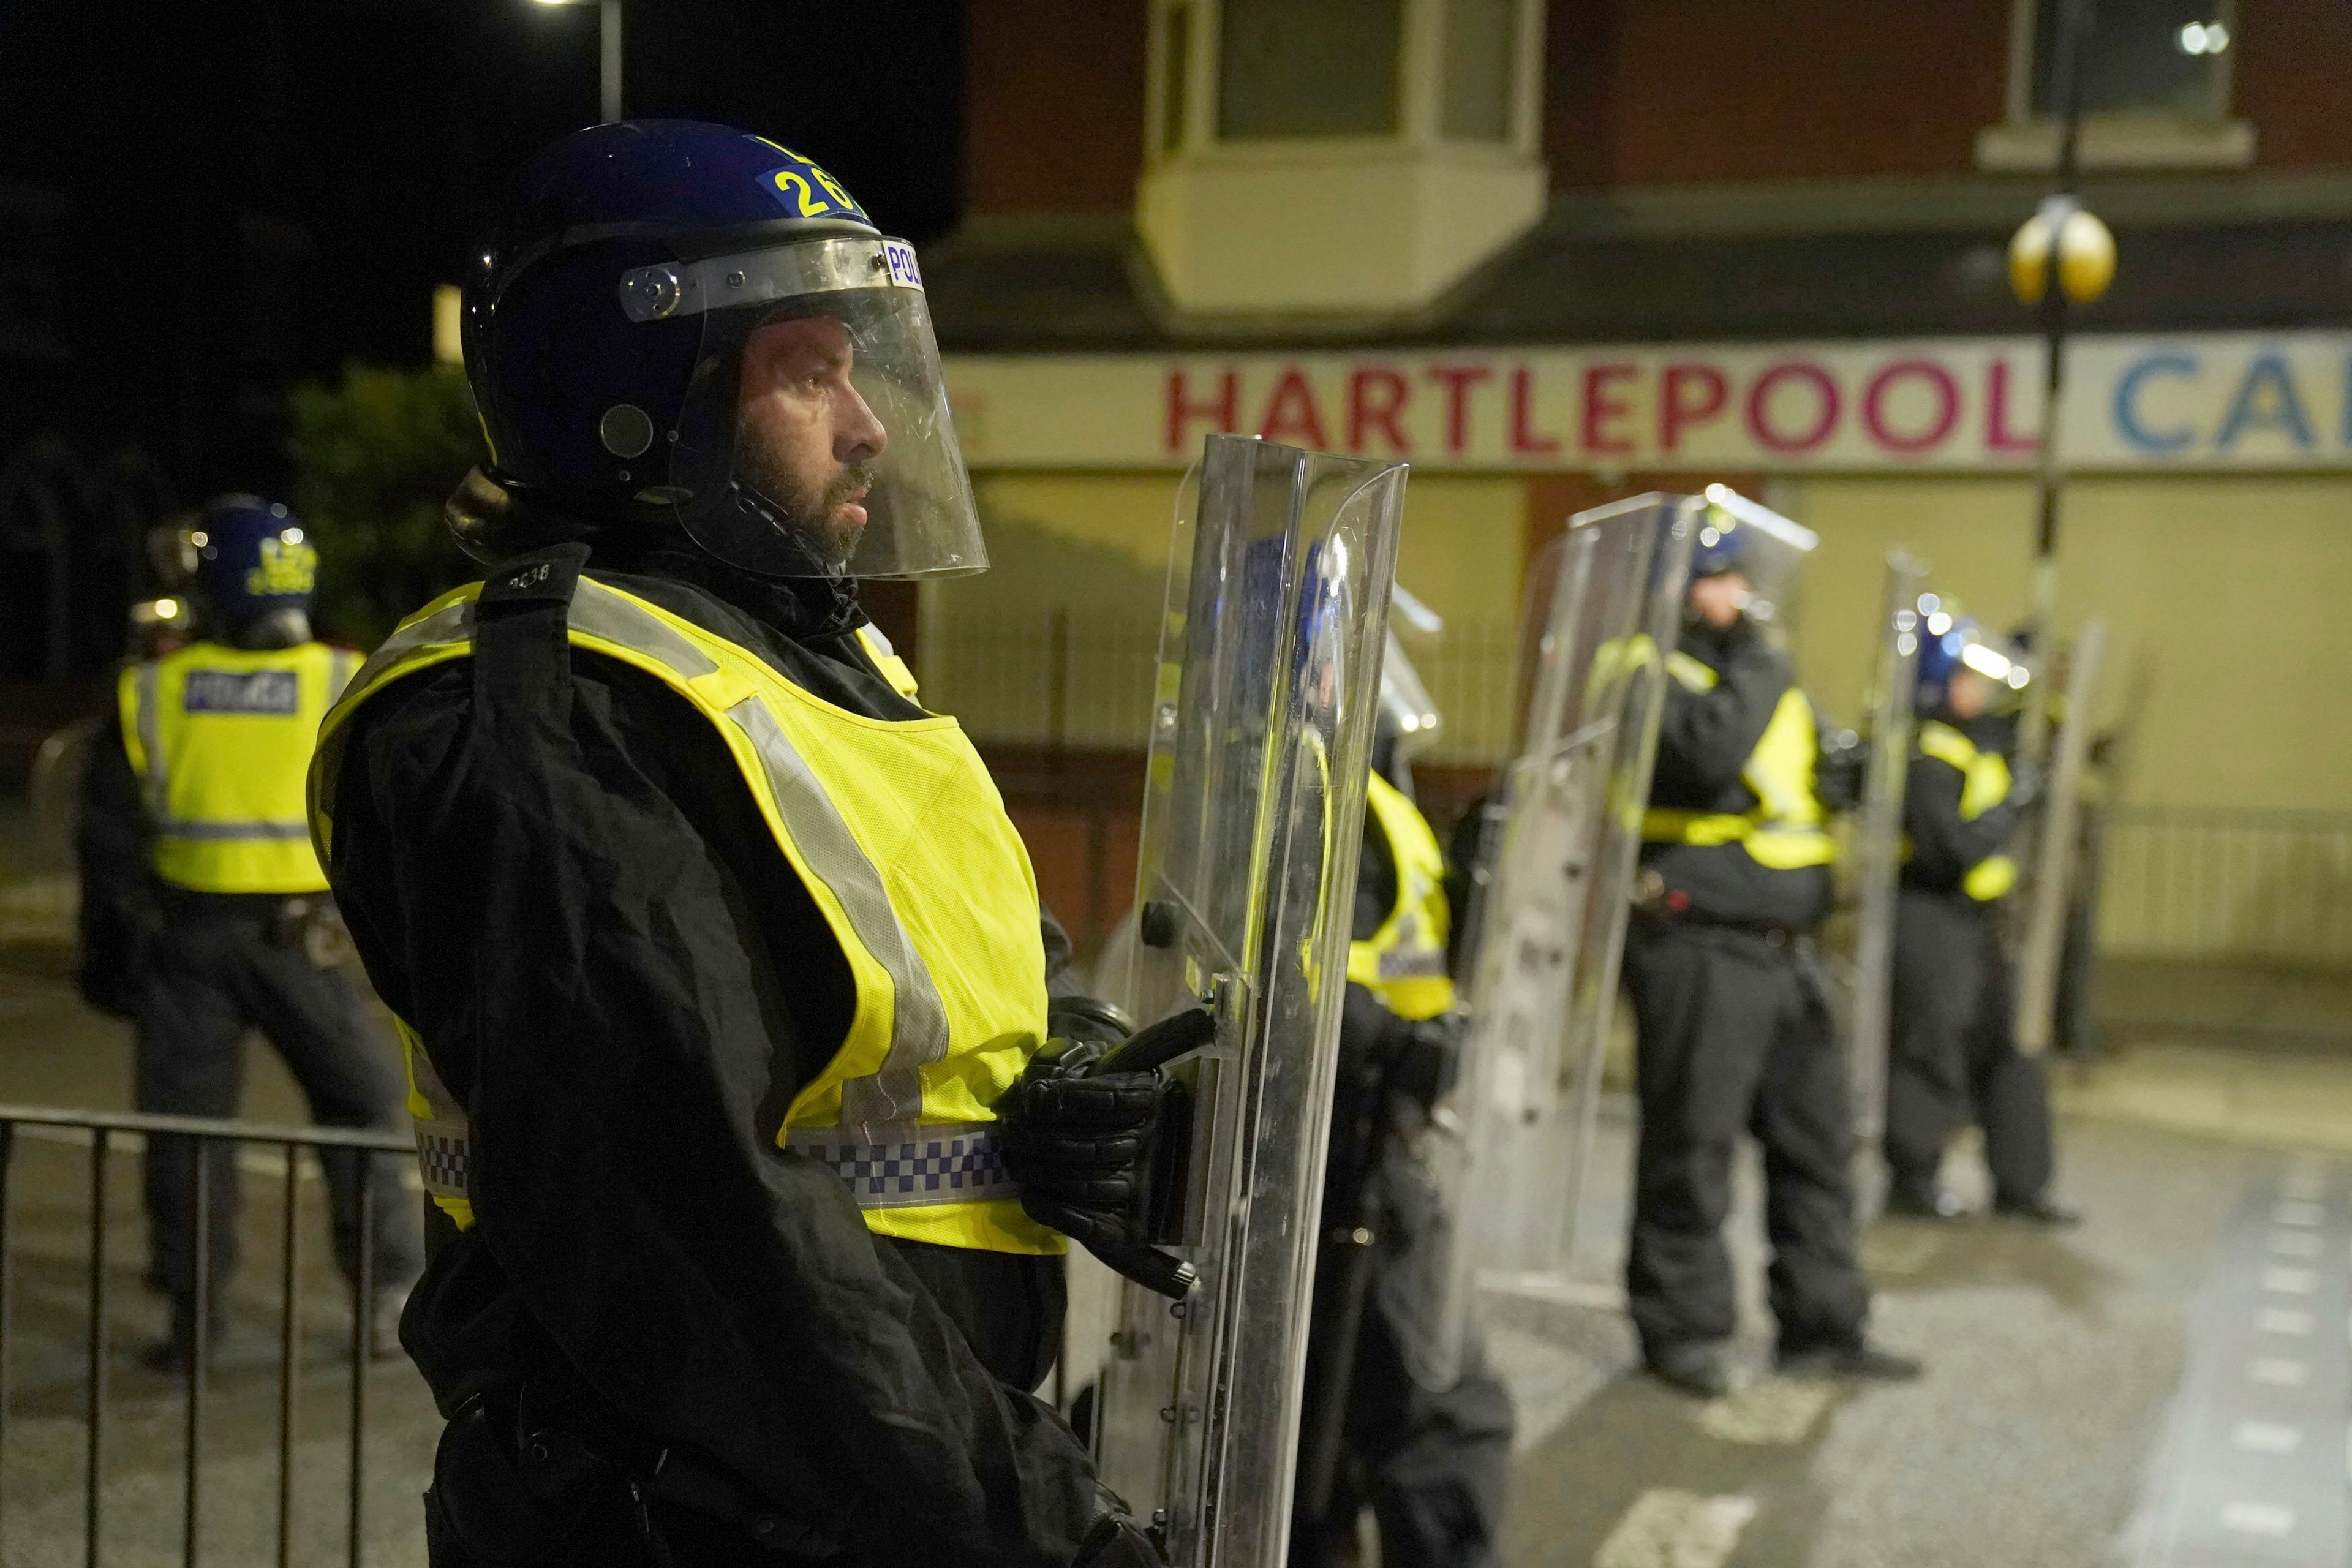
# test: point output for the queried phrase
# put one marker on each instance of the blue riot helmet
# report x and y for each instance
(685, 325)
(1768, 551)
(1720, 546)
(1951, 641)
(255, 572)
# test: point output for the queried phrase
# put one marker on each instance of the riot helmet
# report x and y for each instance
(254, 574)
(1747, 561)
(1965, 670)
(683, 324)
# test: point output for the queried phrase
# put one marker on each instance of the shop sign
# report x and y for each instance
(2198, 401)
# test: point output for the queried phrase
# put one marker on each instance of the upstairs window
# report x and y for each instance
(2145, 56)
(1308, 67)
(2156, 88)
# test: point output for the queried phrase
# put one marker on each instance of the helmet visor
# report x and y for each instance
(814, 439)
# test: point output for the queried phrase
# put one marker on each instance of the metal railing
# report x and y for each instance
(1083, 680)
(2227, 884)
(107, 1135)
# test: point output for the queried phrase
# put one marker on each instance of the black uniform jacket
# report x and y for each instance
(1705, 739)
(620, 975)
(1943, 848)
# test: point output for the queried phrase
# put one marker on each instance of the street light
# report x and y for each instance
(2062, 254)
(610, 76)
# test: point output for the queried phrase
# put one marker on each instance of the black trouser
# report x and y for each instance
(1433, 1464)
(222, 965)
(1735, 1033)
(1955, 1045)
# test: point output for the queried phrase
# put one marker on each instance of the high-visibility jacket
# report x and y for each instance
(898, 834)
(1403, 962)
(1984, 784)
(220, 739)
(1783, 830)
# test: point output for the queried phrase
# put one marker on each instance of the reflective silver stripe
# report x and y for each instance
(158, 778)
(229, 832)
(949, 1165)
(449, 624)
(602, 613)
(884, 1104)
(892, 1094)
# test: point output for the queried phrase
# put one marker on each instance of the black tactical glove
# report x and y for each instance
(1841, 771)
(1078, 1130)
(1420, 1064)
(1079, 1144)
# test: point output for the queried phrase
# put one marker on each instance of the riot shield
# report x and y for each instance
(1508, 1145)
(1252, 819)
(1876, 854)
(2051, 865)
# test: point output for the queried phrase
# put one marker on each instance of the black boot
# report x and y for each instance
(1702, 1369)
(175, 1351)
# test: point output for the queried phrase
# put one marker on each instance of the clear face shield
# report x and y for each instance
(1766, 552)
(814, 440)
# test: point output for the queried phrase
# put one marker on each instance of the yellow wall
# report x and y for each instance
(2228, 603)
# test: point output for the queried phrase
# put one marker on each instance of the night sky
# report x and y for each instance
(197, 211)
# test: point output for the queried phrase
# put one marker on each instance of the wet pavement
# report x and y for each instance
(2135, 1391)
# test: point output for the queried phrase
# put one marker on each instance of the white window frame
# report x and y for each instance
(2028, 143)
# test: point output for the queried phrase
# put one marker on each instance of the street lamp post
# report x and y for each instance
(609, 56)
(2060, 253)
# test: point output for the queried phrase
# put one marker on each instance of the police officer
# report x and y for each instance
(1729, 1004)
(193, 841)
(1954, 1043)
(1433, 1463)
(715, 953)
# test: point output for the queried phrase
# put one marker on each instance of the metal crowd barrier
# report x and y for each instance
(2227, 884)
(104, 1129)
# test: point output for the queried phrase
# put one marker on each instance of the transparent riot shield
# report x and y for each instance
(1508, 1144)
(1262, 731)
(1875, 856)
(2051, 865)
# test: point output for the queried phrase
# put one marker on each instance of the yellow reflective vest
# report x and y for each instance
(1984, 784)
(1783, 831)
(1404, 961)
(898, 834)
(220, 739)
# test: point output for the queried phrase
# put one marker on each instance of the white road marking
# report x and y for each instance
(2290, 1281)
(2266, 1437)
(2278, 1371)
(1770, 1411)
(2297, 1243)
(1666, 1527)
(2298, 1211)
(2258, 1518)
(2283, 1321)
